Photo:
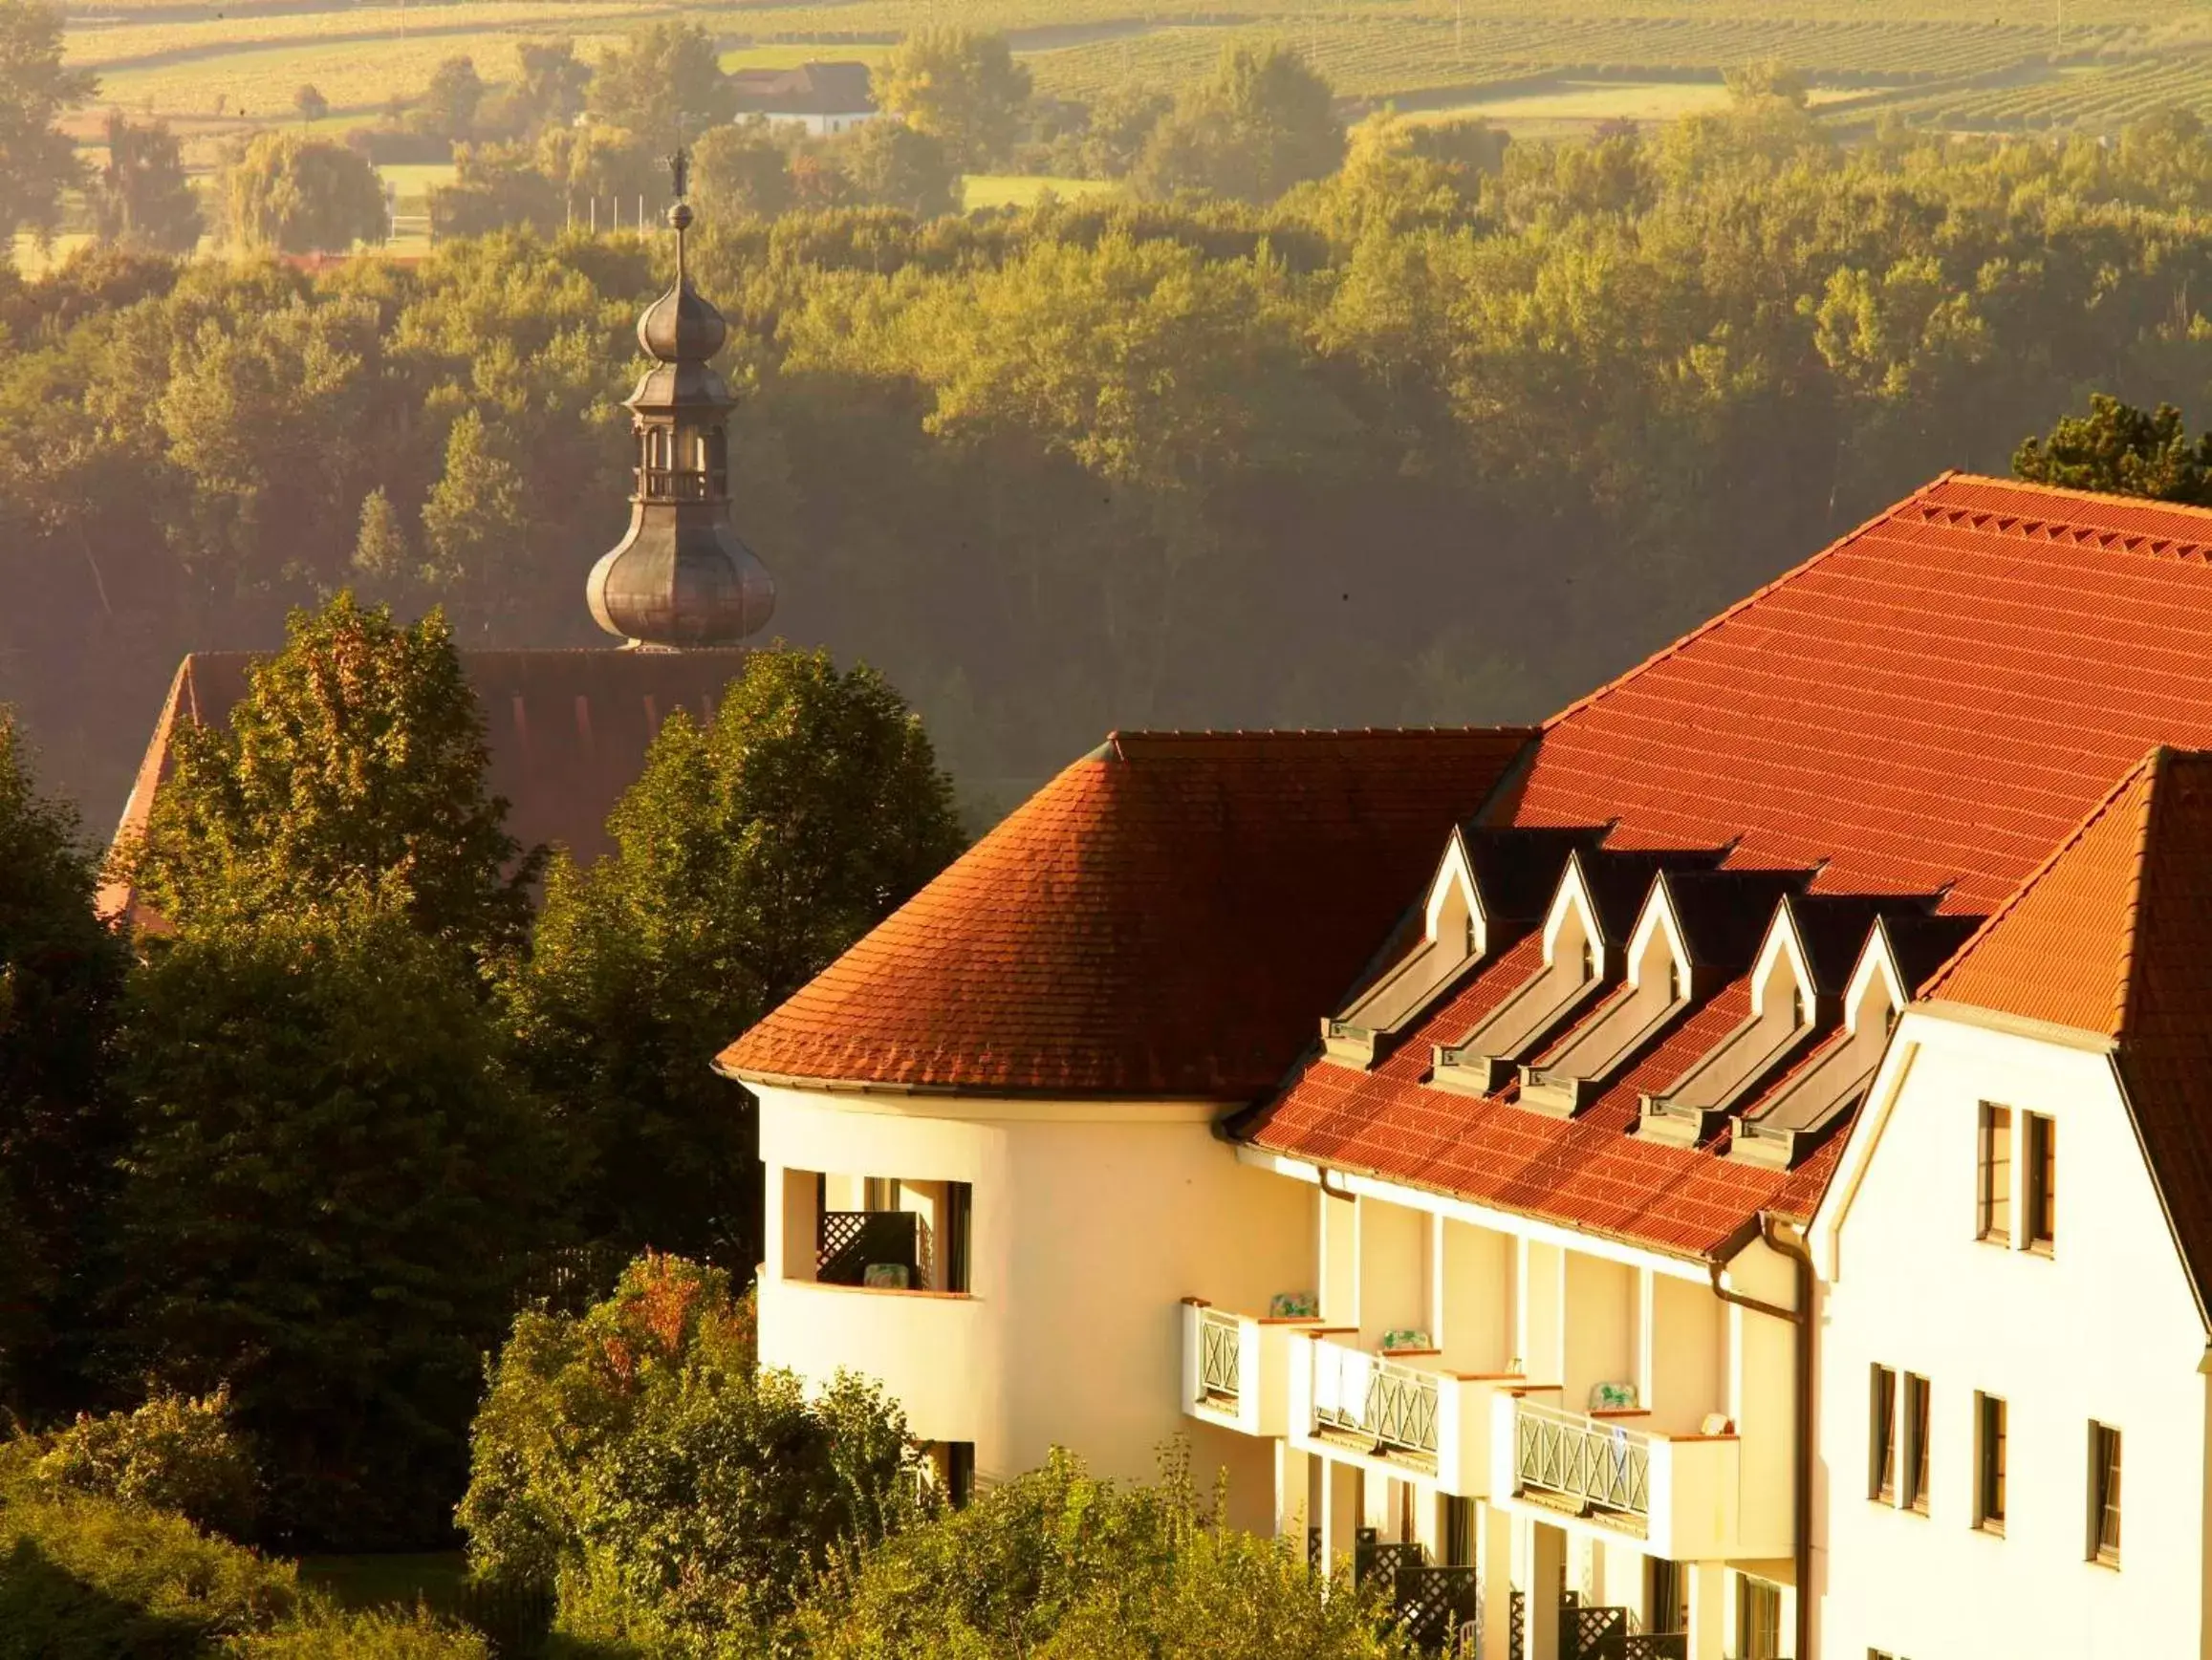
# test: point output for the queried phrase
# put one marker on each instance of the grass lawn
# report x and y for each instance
(789, 54)
(368, 1582)
(1021, 189)
(34, 261)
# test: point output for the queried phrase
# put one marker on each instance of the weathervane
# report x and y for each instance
(680, 212)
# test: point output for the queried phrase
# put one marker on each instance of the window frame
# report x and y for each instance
(1917, 1430)
(1881, 1460)
(1993, 1175)
(2040, 1171)
(1991, 1430)
(2107, 1493)
(1759, 1638)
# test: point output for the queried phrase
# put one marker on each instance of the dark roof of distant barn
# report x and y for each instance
(810, 89)
(567, 731)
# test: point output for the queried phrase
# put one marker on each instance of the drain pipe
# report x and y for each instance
(1780, 1239)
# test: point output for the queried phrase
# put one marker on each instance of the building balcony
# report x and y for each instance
(1236, 1368)
(935, 1352)
(1400, 1414)
(1678, 1494)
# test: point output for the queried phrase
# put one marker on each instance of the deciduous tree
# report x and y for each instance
(37, 161)
(750, 853)
(353, 769)
(330, 1189)
(961, 87)
(296, 195)
(142, 197)
(662, 85)
(1265, 122)
(60, 974)
(894, 165)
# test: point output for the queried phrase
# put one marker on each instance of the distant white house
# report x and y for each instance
(824, 98)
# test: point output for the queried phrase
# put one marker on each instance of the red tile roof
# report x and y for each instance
(1934, 703)
(566, 730)
(2113, 936)
(2060, 948)
(1938, 698)
(1169, 917)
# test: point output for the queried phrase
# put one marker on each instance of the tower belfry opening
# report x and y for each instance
(680, 578)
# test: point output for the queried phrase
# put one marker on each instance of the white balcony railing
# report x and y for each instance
(1236, 1367)
(1682, 1494)
(1404, 1413)
(1598, 1464)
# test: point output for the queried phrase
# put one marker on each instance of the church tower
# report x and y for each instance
(680, 578)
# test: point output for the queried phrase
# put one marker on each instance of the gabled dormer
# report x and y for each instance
(1902, 949)
(1697, 932)
(1587, 927)
(1488, 889)
(1793, 1001)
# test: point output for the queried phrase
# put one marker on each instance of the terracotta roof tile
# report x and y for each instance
(1932, 704)
(1170, 916)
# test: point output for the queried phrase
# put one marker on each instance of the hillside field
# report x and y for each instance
(1532, 65)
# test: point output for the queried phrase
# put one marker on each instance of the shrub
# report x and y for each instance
(328, 1634)
(1057, 1563)
(632, 1457)
(89, 1579)
(173, 1452)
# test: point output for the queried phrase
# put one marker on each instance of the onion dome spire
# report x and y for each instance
(680, 578)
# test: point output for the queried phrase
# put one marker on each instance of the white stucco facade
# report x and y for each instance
(1088, 1222)
(2102, 1326)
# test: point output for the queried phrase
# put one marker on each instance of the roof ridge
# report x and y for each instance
(2013, 901)
(1756, 596)
(2124, 993)
(2068, 492)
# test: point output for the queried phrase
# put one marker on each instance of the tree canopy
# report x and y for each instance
(663, 84)
(353, 771)
(960, 87)
(749, 855)
(61, 973)
(681, 1500)
(330, 1189)
(294, 195)
(1265, 122)
(37, 161)
(2122, 450)
(141, 197)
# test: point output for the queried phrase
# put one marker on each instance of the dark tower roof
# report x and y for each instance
(680, 578)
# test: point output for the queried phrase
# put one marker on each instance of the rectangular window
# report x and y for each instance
(1881, 1476)
(1995, 1220)
(2042, 1181)
(1758, 1618)
(1458, 1531)
(1916, 1447)
(1989, 1463)
(2104, 1494)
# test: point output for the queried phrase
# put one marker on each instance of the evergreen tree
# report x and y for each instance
(2121, 449)
(329, 1193)
(353, 769)
(749, 855)
(449, 104)
(60, 974)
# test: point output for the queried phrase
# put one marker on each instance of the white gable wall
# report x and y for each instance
(2105, 1327)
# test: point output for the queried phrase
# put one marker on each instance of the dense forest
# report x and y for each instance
(1422, 441)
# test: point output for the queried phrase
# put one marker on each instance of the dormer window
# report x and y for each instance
(1589, 961)
(1674, 980)
(1799, 1014)
(1570, 1077)
(1470, 947)
(1452, 938)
